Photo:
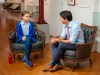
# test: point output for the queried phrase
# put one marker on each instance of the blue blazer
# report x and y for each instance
(19, 32)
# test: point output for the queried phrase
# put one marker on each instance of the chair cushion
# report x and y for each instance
(35, 46)
(70, 53)
(88, 33)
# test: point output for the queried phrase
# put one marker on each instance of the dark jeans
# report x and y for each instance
(28, 45)
(58, 50)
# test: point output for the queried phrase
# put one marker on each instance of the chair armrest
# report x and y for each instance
(84, 50)
(10, 41)
(12, 37)
(40, 35)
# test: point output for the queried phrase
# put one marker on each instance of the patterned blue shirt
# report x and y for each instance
(76, 33)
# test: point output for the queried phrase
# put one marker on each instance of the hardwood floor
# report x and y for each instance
(18, 68)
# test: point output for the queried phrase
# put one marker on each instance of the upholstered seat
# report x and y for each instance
(18, 49)
(70, 53)
(35, 46)
(88, 36)
(83, 51)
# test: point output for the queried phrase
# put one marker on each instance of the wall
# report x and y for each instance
(96, 14)
(96, 5)
(1, 1)
(52, 11)
(54, 7)
(82, 15)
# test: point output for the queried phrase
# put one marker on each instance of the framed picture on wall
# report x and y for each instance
(71, 2)
(83, 3)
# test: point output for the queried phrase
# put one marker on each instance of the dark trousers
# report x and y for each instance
(28, 45)
(58, 50)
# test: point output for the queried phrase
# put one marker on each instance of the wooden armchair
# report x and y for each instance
(83, 51)
(18, 49)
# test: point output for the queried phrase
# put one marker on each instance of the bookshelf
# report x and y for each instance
(33, 7)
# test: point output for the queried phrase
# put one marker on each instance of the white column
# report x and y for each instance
(45, 28)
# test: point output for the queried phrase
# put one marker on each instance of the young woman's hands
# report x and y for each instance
(24, 38)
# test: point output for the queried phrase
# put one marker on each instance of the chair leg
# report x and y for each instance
(72, 65)
(14, 58)
(42, 54)
(90, 61)
(18, 57)
(35, 56)
(77, 64)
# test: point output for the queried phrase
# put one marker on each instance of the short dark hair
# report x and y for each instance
(24, 12)
(66, 15)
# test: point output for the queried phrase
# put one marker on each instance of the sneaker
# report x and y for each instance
(25, 58)
(28, 63)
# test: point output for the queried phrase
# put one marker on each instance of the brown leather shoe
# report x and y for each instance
(56, 68)
(48, 68)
